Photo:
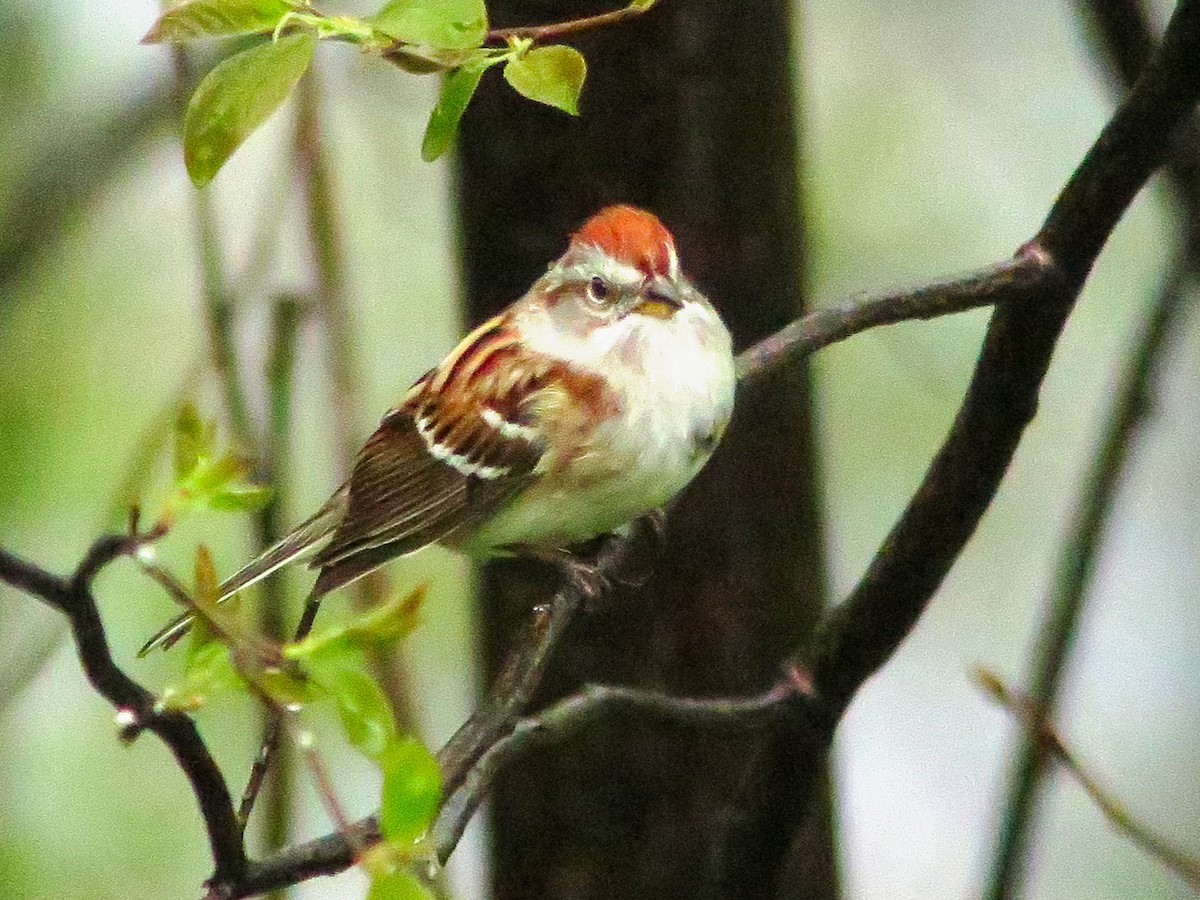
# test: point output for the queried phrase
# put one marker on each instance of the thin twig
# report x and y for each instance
(287, 312)
(217, 298)
(326, 240)
(329, 798)
(559, 29)
(1073, 578)
(1028, 712)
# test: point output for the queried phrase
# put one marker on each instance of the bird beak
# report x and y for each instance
(660, 300)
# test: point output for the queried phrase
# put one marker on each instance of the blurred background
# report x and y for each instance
(934, 136)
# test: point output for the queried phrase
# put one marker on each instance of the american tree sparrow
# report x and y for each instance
(594, 398)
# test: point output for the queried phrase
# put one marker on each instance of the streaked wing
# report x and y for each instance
(458, 447)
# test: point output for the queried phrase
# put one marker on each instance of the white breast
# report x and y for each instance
(676, 382)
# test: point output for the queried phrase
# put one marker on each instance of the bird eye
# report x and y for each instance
(598, 288)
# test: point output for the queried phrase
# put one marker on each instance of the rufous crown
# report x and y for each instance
(632, 236)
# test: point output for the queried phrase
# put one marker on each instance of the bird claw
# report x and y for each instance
(654, 527)
(592, 586)
(579, 573)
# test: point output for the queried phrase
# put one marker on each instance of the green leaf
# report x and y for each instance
(193, 439)
(397, 885)
(210, 673)
(457, 90)
(390, 621)
(362, 705)
(412, 789)
(550, 75)
(206, 590)
(241, 497)
(642, 5)
(208, 18)
(211, 475)
(238, 96)
(440, 24)
(384, 624)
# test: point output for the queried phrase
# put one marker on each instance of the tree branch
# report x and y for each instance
(862, 633)
(1027, 711)
(1127, 41)
(1013, 280)
(788, 698)
(559, 29)
(136, 707)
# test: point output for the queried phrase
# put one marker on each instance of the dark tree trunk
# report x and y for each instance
(689, 111)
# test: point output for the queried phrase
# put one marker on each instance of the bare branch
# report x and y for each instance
(1028, 712)
(559, 29)
(1012, 280)
(136, 707)
(725, 715)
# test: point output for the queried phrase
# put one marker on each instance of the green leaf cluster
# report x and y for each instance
(205, 476)
(422, 36)
(412, 780)
(326, 667)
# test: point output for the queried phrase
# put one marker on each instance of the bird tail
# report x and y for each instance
(309, 537)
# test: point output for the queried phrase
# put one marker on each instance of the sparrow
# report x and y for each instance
(594, 398)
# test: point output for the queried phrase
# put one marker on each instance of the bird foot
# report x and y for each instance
(649, 533)
(580, 573)
(654, 527)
